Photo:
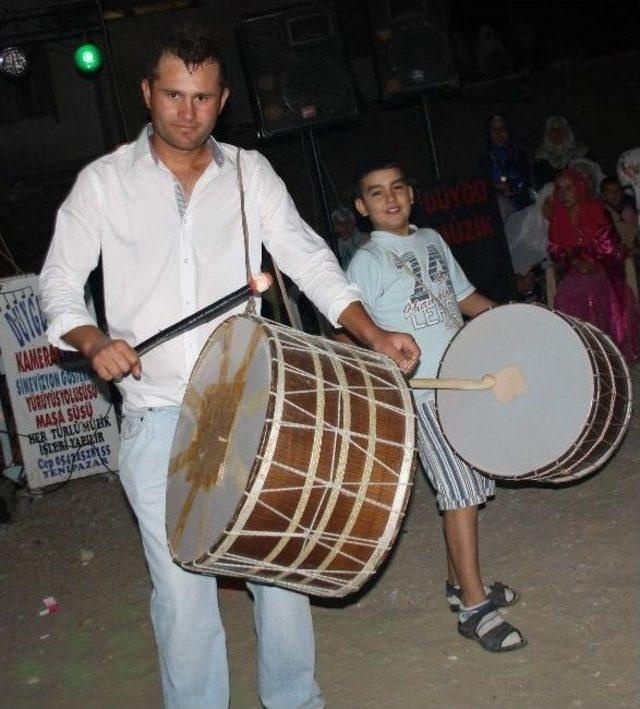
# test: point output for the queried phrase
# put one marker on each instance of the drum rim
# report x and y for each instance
(228, 323)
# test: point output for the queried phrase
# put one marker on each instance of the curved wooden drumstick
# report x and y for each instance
(505, 385)
(258, 284)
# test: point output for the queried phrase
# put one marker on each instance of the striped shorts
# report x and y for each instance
(457, 484)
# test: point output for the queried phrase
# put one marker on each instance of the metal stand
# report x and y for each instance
(319, 182)
(432, 145)
(112, 72)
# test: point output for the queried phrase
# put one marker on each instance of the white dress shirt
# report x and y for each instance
(160, 267)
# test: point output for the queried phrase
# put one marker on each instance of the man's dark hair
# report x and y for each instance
(609, 180)
(191, 44)
(371, 164)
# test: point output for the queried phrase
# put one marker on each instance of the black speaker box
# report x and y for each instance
(298, 70)
(411, 46)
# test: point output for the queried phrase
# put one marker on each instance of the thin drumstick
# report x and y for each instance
(487, 382)
(258, 284)
(505, 385)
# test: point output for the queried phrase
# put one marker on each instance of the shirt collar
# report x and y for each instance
(142, 147)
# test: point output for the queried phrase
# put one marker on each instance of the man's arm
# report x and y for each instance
(474, 304)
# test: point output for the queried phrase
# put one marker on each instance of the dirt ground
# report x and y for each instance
(572, 552)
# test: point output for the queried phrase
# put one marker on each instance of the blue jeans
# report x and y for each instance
(184, 606)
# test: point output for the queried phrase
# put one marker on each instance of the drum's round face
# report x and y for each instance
(538, 425)
(220, 428)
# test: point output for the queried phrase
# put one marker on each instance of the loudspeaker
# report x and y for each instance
(411, 46)
(298, 70)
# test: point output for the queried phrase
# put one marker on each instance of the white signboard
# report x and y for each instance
(65, 422)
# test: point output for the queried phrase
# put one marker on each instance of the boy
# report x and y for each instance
(411, 282)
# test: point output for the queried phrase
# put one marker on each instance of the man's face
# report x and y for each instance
(613, 195)
(184, 105)
(344, 229)
(386, 199)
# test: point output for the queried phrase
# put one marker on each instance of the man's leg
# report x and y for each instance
(286, 649)
(184, 606)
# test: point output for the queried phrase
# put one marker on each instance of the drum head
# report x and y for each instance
(219, 430)
(536, 427)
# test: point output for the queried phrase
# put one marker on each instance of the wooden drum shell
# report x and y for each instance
(327, 489)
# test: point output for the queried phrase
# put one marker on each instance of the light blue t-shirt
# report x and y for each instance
(412, 284)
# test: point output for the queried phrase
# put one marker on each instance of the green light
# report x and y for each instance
(88, 58)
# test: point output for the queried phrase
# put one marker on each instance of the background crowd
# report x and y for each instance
(572, 230)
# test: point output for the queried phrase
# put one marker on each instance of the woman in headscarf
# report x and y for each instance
(506, 165)
(558, 148)
(585, 245)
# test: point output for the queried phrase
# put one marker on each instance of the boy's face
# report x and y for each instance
(386, 198)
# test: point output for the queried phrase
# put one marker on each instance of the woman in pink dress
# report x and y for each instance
(587, 250)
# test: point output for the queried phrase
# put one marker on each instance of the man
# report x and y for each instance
(349, 238)
(165, 214)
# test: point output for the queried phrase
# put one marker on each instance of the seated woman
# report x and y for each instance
(527, 233)
(584, 244)
(506, 165)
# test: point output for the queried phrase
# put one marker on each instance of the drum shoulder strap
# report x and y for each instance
(251, 303)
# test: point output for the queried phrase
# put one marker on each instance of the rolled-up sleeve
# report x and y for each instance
(73, 254)
(298, 250)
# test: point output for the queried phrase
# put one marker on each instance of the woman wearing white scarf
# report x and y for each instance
(558, 148)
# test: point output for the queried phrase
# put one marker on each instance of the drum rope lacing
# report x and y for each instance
(310, 533)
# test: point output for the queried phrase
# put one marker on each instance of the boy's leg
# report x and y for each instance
(461, 536)
(460, 490)
(184, 606)
(286, 649)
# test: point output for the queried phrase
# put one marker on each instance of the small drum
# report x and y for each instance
(574, 409)
(292, 460)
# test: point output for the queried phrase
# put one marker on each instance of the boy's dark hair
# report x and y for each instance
(609, 180)
(371, 164)
(193, 45)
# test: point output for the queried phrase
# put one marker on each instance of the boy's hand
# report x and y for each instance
(401, 347)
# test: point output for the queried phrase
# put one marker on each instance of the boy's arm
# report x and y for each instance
(401, 347)
(474, 304)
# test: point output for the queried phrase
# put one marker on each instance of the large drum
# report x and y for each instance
(574, 408)
(292, 460)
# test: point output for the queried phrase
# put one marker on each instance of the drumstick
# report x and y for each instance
(505, 385)
(258, 284)
(487, 382)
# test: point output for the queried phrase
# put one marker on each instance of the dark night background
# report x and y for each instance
(578, 59)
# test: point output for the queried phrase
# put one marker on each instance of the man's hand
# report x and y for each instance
(111, 359)
(402, 349)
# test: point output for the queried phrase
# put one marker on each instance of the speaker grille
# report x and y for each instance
(298, 70)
